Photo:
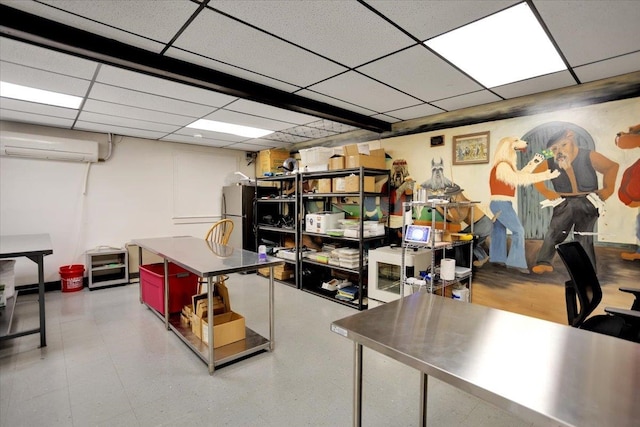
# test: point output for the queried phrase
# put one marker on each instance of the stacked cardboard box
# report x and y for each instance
(356, 156)
(280, 272)
(228, 326)
(270, 161)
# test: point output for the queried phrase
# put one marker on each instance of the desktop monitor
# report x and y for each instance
(418, 234)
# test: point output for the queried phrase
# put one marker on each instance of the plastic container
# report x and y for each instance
(8, 276)
(262, 253)
(182, 286)
(71, 277)
(316, 159)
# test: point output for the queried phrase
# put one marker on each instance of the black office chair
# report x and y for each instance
(585, 286)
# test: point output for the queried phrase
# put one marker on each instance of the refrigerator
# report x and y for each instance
(237, 205)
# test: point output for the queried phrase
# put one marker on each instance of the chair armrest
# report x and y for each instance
(636, 294)
(635, 291)
(629, 315)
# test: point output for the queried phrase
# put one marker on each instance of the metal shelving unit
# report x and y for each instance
(361, 243)
(281, 202)
(436, 283)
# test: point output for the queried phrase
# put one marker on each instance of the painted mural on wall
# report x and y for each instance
(576, 196)
(503, 180)
(561, 192)
(629, 191)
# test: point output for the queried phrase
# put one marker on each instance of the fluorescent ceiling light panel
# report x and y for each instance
(213, 126)
(25, 93)
(506, 47)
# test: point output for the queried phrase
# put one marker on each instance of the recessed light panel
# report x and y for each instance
(506, 47)
(25, 93)
(213, 126)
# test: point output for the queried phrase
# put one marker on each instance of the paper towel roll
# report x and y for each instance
(448, 269)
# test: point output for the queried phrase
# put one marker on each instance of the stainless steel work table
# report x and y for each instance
(541, 371)
(210, 260)
(35, 247)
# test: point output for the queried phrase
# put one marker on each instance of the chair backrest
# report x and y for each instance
(220, 232)
(584, 282)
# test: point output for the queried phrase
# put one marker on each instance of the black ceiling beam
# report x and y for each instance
(25, 27)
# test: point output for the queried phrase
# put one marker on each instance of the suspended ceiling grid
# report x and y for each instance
(311, 69)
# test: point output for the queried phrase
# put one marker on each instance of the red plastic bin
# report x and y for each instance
(182, 286)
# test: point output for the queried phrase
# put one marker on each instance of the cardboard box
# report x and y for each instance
(324, 185)
(270, 161)
(336, 163)
(338, 185)
(352, 184)
(277, 269)
(196, 325)
(354, 158)
(283, 275)
(227, 328)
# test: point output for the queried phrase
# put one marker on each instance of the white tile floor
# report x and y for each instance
(110, 362)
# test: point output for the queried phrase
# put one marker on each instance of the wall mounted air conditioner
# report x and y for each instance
(47, 147)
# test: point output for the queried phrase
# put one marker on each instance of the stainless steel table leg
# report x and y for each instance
(43, 327)
(139, 264)
(271, 320)
(357, 385)
(166, 293)
(212, 360)
(424, 382)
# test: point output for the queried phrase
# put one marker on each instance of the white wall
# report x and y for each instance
(129, 196)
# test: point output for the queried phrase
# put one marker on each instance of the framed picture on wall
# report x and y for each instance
(471, 148)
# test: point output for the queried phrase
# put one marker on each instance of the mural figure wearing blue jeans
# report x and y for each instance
(503, 180)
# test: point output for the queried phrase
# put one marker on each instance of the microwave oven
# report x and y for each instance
(384, 271)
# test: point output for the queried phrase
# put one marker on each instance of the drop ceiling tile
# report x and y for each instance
(386, 118)
(611, 67)
(249, 147)
(227, 116)
(535, 85)
(195, 141)
(334, 101)
(285, 137)
(231, 70)
(27, 117)
(155, 85)
(41, 79)
(253, 50)
(590, 31)
(415, 112)
(344, 31)
(38, 109)
(274, 113)
(360, 90)
(119, 11)
(331, 126)
(136, 113)
(420, 73)
(427, 19)
(147, 101)
(270, 142)
(204, 134)
(309, 132)
(467, 100)
(126, 122)
(118, 130)
(45, 59)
